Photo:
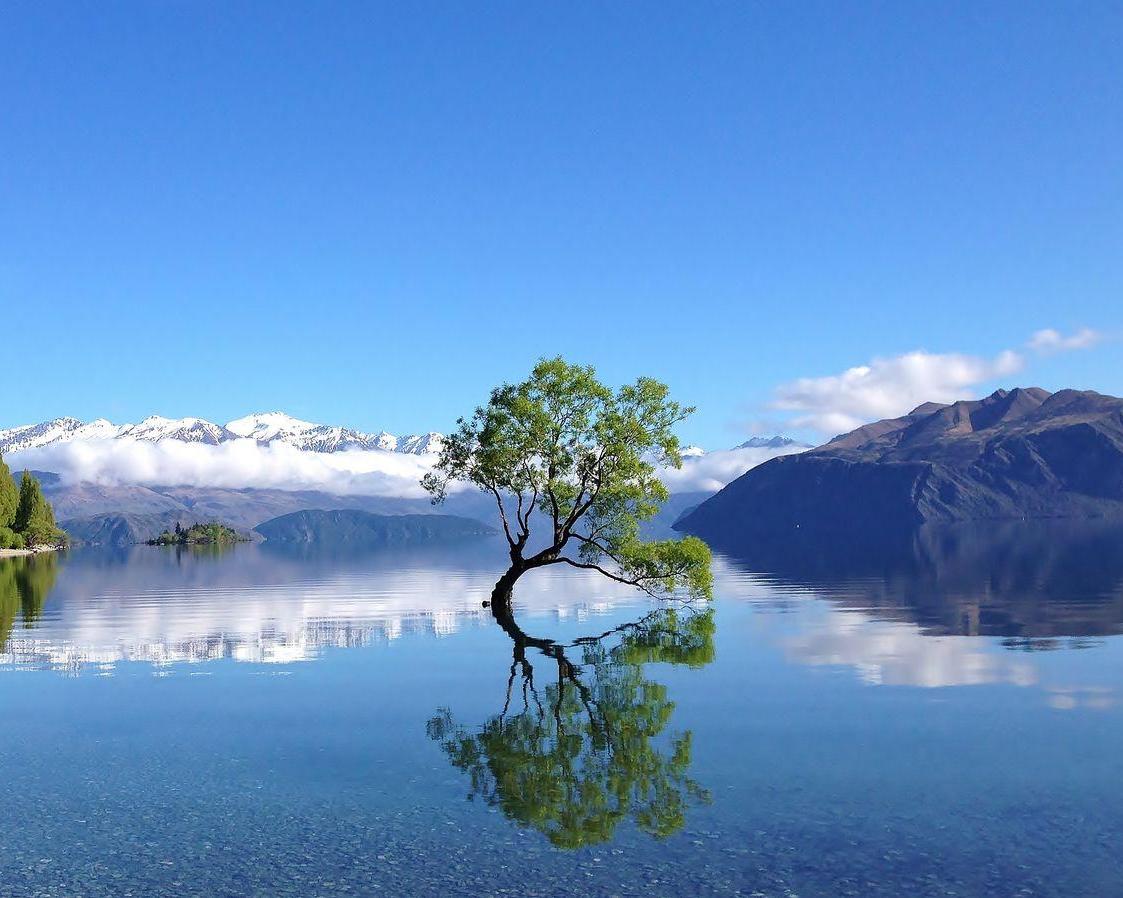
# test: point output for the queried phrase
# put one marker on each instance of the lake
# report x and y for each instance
(934, 714)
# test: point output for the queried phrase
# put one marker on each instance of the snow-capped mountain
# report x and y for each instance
(186, 430)
(267, 428)
(690, 453)
(277, 427)
(419, 444)
(776, 442)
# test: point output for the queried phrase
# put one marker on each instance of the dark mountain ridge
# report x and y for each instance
(1023, 453)
(351, 526)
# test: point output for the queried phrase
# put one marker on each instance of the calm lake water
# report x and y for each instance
(936, 716)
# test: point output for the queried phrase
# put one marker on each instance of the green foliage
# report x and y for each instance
(682, 638)
(208, 534)
(35, 519)
(565, 445)
(25, 584)
(590, 751)
(9, 498)
(9, 539)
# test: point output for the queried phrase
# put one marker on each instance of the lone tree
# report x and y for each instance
(564, 445)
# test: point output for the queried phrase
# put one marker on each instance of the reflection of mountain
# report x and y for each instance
(1018, 580)
(578, 751)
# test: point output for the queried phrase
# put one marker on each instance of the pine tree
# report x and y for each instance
(34, 517)
(9, 496)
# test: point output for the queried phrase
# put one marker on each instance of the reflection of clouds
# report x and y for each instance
(882, 653)
(839, 626)
(1068, 698)
(284, 622)
(897, 654)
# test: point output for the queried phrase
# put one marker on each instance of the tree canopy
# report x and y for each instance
(211, 533)
(563, 446)
(9, 502)
(9, 496)
(34, 520)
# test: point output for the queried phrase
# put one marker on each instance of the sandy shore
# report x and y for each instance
(34, 550)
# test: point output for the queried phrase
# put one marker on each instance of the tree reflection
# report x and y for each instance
(24, 586)
(582, 748)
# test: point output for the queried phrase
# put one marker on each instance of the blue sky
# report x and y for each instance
(371, 213)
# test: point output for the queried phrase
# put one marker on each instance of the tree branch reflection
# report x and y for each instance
(576, 754)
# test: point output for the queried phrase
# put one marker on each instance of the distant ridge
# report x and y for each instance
(353, 527)
(1023, 453)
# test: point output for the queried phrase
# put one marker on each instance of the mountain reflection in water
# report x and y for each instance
(1036, 584)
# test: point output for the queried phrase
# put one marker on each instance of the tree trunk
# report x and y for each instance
(503, 611)
(504, 588)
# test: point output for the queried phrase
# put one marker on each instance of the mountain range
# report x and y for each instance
(266, 428)
(1023, 453)
(117, 510)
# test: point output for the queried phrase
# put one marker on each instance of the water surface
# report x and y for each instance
(935, 716)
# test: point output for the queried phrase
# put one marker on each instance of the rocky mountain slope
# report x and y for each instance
(1024, 453)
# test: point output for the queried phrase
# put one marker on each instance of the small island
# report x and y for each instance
(212, 534)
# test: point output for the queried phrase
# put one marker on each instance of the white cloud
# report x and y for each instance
(234, 464)
(244, 463)
(1050, 341)
(712, 471)
(888, 388)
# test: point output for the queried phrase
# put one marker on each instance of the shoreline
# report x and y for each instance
(20, 553)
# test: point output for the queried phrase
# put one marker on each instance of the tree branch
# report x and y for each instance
(585, 565)
(503, 516)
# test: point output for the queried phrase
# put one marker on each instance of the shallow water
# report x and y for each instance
(935, 717)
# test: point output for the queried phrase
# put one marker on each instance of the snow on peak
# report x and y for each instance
(775, 442)
(264, 428)
(267, 426)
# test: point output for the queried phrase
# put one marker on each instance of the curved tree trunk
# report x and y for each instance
(503, 610)
(504, 588)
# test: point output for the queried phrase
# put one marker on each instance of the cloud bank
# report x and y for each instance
(235, 464)
(887, 388)
(891, 387)
(240, 464)
(712, 471)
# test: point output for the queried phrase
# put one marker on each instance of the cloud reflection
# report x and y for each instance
(896, 654)
(261, 610)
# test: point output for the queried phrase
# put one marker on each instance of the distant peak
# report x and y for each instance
(927, 408)
(1035, 393)
(773, 442)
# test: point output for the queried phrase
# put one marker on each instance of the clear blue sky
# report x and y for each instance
(370, 213)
